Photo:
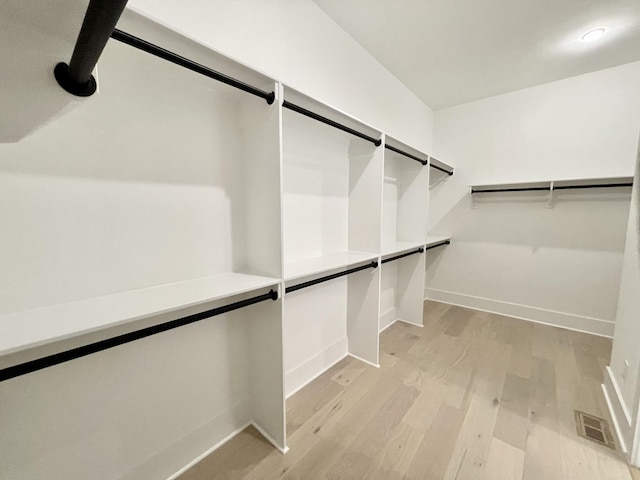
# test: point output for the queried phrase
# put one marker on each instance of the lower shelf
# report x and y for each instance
(33, 328)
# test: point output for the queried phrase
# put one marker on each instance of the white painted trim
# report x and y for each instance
(363, 360)
(624, 427)
(410, 323)
(387, 319)
(207, 452)
(616, 425)
(618, 392)
(269, 438)
(388, 325)
(312, 368)
(593, 326)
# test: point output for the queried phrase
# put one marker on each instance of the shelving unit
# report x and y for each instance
(177, 218)
(404, 223)
(146, 219)
(331, 198)
(553, 185)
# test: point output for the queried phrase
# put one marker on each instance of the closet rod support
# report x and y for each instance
(310, 283)
(98, 24)
(181, 61)
(436, 245)
(398, 257)
(308, 113)
(408, 155)
(83, 351)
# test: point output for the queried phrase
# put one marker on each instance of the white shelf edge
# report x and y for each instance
(56, 323)
(326, 263)
(401, 247)
(433, 239)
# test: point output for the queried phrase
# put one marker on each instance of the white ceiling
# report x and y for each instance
(454, 51)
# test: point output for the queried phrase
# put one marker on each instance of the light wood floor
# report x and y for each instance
(470, 396)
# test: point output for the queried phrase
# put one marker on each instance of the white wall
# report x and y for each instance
(560, 265)
(295, 42)
(624, 380)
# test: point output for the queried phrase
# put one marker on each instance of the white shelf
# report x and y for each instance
(33, 328)
(324, 263)
(400, 247)
(546, 184)
(433, 239)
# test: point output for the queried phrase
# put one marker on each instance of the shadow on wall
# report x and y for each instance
(35, 37)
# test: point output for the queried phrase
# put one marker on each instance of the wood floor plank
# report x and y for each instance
(470, 396)
(542, 449)
(513, 413)
(356, 460)
(394, 460)
(504, 462)
(435, 450)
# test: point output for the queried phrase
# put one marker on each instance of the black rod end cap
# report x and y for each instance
(378, 142)
(270, 97)
(61, 72)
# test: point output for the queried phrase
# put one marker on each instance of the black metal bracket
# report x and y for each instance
(436, 245)
(398, 257)
(308, 113)
(408, 155)
(181, 61)
(83, 351)
(310, 283)
(98, 24)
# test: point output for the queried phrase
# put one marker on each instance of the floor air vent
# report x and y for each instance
(594, 429)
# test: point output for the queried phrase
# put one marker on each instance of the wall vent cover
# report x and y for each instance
(594, 428)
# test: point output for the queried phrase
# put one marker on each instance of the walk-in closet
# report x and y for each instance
(248, 240)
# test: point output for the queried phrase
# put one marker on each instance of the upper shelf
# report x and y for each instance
(399, 247)
(440, 166)
(313, 266)
(436, 239)
(552, 185)
(33, 328)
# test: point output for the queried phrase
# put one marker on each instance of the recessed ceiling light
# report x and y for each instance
(593, 35)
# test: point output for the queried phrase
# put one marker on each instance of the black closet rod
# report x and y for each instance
(310, 283)
(448, 172)
(602, 185)
(515, 189)
(413, 157)
(339, 126)
(99, 21)
(547, 189)
(83, 351)
(398, 257)
(436, 245)
(189, 64)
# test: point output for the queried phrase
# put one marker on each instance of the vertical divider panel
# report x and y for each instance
(262, 187)
(263, 184)
(366, 168)
(267, 373)
(363, 310)
(412, 201)
(410, 289)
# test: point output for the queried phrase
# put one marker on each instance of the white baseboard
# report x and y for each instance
(309, 370)
(181, 455)
(618, 410)
(594, 326)
(387, 319)
(270, 438)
